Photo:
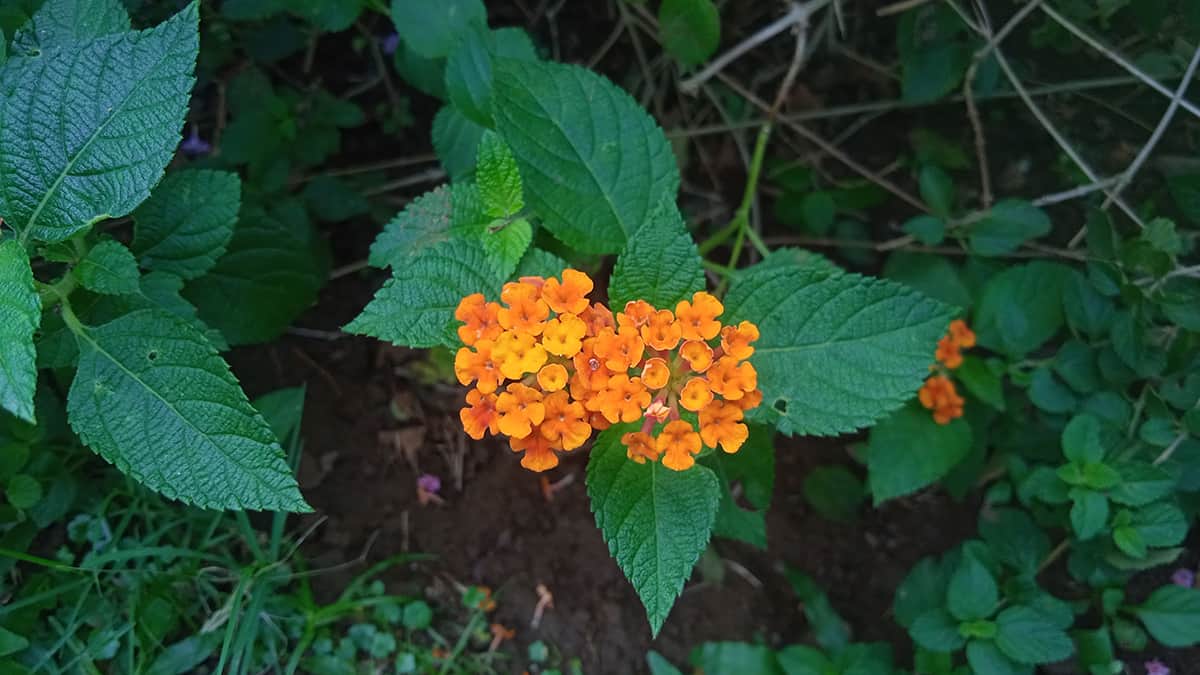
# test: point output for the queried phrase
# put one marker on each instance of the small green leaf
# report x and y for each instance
(838, 351)
(734, 657)
(1129, 541)
(1089, 513)
(1160, 524)
(417, 615)
(1014, 538)
(830, 630)
(659, 665)
(659, 264)
(108, 268)
(1185, 189)
(11, 643)
(1049, 394)
(753, 469)
(539, 263)
(656, 521)
(426, 221)
(102, 120)
(802, 660)
(985, 658)
(20, 315)
(972, 593)
(1009, 224)
(922, 590)
(498, 178)
(1160, 233)
(593, 190)
(909, 450)
(433, 29)
(932, 275)
(835, 492)
(1025, 635)
(929, 230)
(185, 225)
(23, 491)
(67, 23)
(937, 189)
(147, 381)
(1141, 483)
(415, 308)
(689, 30)
(819, 211)
(1020, 308)
(982, 381)
(1172, 615)
(1086, 309)
(936, 630)
(1081, 441)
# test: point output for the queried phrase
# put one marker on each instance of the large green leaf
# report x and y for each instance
(909, 450)
(61, 23)
(1026, 635)
(271, 272)
(423, 223)
(972, 593)
(415, 308)
(20, 312)
(153, 398)
(656, 521)
(838, 351)
(87, 129)
(1172, 615)
(1021, 308)
(433, 29)
(595, 164)
(660, 263)
(469, 68)
(185, 225)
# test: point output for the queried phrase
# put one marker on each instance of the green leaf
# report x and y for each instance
(803, 660)
(433, 29)
(830, 630)
(1049, 394)
(985, 658)
(330, 16)
(417, 615)
(415, 308)
(1025, 635)
(108, 268)
(1172, 615)
(1129, 541)
(937, 631)
(88, 129)
(909, 450)
(1013, 537)
(426, 221)
(456, 142)
(185, 225)
(498, 178)
(272, 270)
(1021, 308)
(1081, 440)
(689, 30)
(539, 263)
(753, 468)
(929, 230)
(469, 69)
(937, 189)
(1185, 189)
(23, 491)
(1087, 310)
(333, 200)
(507, 246)
(835, 492)
(656, 521)
(972, 593)
(1141, 483)
(1009, 224)
(819, 211)
(922, 590)
(659, 665)
(20, 315)
(147, 381)
(1160, 524)
(982, 381)
(837, 352)
(67, 23)
(11, 643)
(1160, 233)
(1089, 513)
(595, 165)
(933, 72)
(659, 264)
(933, 275)
(734, 657)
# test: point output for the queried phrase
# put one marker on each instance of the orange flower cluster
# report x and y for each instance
(938, 393)
(549, 366)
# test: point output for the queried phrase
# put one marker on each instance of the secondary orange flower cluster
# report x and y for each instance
(938, 393)
(549, 366)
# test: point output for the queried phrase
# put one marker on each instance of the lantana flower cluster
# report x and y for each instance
(549, 366)
(938, 393)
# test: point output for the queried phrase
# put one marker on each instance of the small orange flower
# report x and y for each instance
(678, 442)
(518, 354)
(695, 394)
(570, 295)
(735, 340)
(620, 350)
(598, 421)
(480, 415)
(514, 291)
(524, 315)
(521, 408)
(698, 355)
(732, 379)
(566, 421)
(720, 424)
(752, 399)
(478, 364)
(480, 318)
(589, 366)
(637, 313)
(948, 352)
(598, 317)
(563, 335)
(939, 395)
(622, 400)
(539, 452)
(698, 318)
(963, 337)
(639, 446)
(661, 331)
(552, 377)
(656, 373)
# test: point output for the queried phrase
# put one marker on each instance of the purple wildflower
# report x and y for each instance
(1184, 577)
(429, 483)
(1157, 667)
(389, 43)
(194, 146)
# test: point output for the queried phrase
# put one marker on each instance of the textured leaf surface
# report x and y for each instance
(432, 29)
(469, 68)
(422, 224)
(88, 129)
(108, 268)
(660, 263)
(908, 451)
(60, 23)
(595, 165)
(498, 178)
(539, 263)
(838, 351)
(20, 312)
(153, 398)
(690, 29)
(1026, 635)
(185, 225)
(271, 272)
(1009, 224)
(415, 308)
(1021, 308)
(656, 521)
(1172, 615)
